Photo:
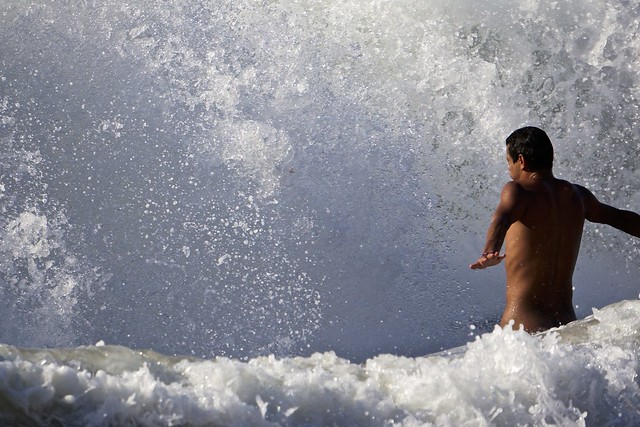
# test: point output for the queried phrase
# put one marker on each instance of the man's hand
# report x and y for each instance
(488, 259)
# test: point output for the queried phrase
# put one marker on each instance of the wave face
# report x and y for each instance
(582, 374)
(244, 178)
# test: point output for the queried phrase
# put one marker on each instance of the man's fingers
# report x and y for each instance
(487, 260)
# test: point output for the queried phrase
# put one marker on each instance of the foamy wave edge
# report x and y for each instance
(582, 374)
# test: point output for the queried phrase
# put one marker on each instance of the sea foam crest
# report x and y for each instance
(503, 378)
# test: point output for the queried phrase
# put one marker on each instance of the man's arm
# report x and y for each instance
(510, 209)
(596, 211)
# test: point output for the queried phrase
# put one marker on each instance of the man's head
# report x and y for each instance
(534, 146)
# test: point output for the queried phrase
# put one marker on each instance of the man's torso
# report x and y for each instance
(542, 248)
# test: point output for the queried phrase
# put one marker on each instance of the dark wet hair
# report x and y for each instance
(534, 145)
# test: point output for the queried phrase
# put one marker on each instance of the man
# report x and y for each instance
(540, 220)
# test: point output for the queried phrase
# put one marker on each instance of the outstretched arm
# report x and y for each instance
(510, 209)
(623, 220)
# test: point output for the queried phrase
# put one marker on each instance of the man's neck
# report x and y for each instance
(532, 178)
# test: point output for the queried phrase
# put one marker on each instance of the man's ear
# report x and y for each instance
(522, 162)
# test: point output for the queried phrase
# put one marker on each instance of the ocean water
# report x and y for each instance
(282, 188)
(582, 374)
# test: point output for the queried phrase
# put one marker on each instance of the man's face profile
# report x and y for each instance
(512, 166)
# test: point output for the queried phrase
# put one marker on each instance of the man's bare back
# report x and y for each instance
(540, 220)
(543, 247)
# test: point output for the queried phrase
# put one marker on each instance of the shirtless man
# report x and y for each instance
(540, 219)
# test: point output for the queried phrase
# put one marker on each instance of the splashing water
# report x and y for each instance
(584, 374)
(242, 178)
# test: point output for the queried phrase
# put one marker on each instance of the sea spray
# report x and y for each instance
(226, 178)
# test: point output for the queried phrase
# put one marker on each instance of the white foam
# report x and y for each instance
(288, 173)
(503, 378)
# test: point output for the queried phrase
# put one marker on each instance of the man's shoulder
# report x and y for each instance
(513, 194)
(576, 189)
(512, 186)
(565, 183)
(513, 189)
